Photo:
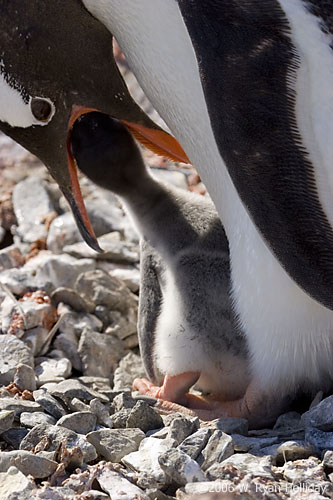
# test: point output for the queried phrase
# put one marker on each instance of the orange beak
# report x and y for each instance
(158, 141)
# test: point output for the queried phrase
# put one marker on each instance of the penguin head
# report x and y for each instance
(56, 62)
(105, 151)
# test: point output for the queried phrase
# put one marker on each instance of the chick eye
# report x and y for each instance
(41, 109)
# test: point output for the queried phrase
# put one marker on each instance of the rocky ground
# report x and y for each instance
(69, 426)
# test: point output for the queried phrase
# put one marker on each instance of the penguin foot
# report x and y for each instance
(174, 388)
(259, 408)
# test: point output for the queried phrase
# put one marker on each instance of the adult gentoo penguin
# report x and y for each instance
(187, 328)
(245, 87)
(56, 60)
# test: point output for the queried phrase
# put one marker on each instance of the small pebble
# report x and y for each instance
(6, 420)
(114, 444)
(28, 463)
(81, 422)
(30, 420)
(144, 417)
(25, 378)
(180, 468)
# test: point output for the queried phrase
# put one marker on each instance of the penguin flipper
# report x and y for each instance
(150, 301)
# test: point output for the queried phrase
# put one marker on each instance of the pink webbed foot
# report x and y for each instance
(174, 388)
(259, 408)
(173, 395)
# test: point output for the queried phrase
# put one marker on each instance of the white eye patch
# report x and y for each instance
(15, 109)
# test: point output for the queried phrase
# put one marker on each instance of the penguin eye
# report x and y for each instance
(41, 109)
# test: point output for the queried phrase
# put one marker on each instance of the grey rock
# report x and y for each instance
(108, 350)
(99, 384)
(180, 468)
(101, 412)
(123, 401)
(245, 463)
(147, 481)
(123, 326)
(321, 416)
(245, 444)
(328, 459)
(13, 437)
(302, 472)
(219, 447)
(119, 419)
(12, 352)
(146, 459)
(159, 433)
(195, 443)
(130, 367)
(104, 216)
(76, 322)
(73, 388)
(52, 370)
(106, 291)
(31, 202)
(319, 439)
(103, 314)
(290, 420)
(50, 455)
(294, 450)
(25, 378)
(50, 404)
(76, 405)
(36, 339)
(11, 257)
(144, 417)
(268, 450)
(73, 299)
(181, 427)
(131, 342)
(131, 277)
(6, 420)
(63, 231)
(32, 419)
(47, 493)
(155, 494)
(57, 435)
(60, 270)
(81, 422)
(28, 463)
(94, 495)
(69, 344)
(18, 280)
(35, 314)
(14, 482)
(114, 249)
(229, 425)
(19, 406)
(114, 444)
(115, 484)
